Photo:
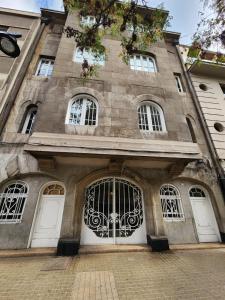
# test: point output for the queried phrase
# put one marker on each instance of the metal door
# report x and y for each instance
(113, 213)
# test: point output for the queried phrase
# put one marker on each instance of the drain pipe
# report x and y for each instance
(20, 74)
(210, 144)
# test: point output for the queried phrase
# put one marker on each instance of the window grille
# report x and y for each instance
(29, 121)
(83, 111)
(143, 63)
(45, 67)
(54, 189)
(92, 59)
(171, 203)
(12, 202)
(151, 118)
(179, 83)
(197, 193)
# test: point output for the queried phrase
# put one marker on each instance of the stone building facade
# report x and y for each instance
(120, 158)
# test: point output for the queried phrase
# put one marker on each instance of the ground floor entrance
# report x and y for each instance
(205, 221)
(49, 217)
(113, 213)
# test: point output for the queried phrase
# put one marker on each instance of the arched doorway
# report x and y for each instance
(113, 213)
(205, 221)
(49, 217)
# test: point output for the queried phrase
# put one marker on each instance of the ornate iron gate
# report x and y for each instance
(113, 208)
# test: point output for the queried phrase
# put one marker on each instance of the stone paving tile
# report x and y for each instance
(173, 275)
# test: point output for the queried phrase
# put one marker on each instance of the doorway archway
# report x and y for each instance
(113, 213)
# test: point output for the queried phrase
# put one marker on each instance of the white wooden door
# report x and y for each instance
(48, 222)
(205, 220)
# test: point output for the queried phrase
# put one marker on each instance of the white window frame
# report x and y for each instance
(179, 83)
(138, 64)
(27, 120)
(149, 117)
(85, 98)
(79, 57)
(179, 216)
(50, 66)
(18, 196)
(87, 21)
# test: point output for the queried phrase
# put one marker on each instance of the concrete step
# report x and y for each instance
(94, 249)
(197, 246)
(27, 252)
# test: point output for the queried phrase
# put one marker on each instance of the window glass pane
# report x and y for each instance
(45, 67)
(142, 63)
(89, 56)
(75, 112)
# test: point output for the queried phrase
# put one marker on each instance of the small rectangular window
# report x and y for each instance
(45, 67)
(4, 28)
(179, 84)
(223, 88)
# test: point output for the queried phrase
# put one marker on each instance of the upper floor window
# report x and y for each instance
(29, 120)
(144, 63)
(82, 111)
(4, 28)
(12, 202)
(191, 129)
(87, 21)
(92, 59)
(45, 67)
(151, 117)
(171, 203)
(179, 82)
(223, 88)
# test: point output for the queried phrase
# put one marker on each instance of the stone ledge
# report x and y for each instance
(64, 143)
(28, 252)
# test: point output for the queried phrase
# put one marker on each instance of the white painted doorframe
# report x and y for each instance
(206, 225)
(48, 221)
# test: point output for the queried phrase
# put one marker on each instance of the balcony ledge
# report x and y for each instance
(73, 144)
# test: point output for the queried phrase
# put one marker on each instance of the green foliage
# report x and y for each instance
(132, 22)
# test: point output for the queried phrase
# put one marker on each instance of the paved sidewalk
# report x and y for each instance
(192, 274)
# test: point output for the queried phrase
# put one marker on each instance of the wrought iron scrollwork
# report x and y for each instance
(113, 208)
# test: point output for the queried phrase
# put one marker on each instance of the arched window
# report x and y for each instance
(191, 129)
(53, 189)
(29, 120)
(12, 202)
(82, 111)
(144, 63)
(196, 192)
(151, 117)
(171, 203)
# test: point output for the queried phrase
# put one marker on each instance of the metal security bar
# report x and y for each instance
(83, 111)
(171, 203)
(149, 118)
(12, 203)
(113, 208)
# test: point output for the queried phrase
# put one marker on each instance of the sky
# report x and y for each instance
(185, 13)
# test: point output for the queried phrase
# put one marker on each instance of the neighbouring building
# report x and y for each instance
(117, 159)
